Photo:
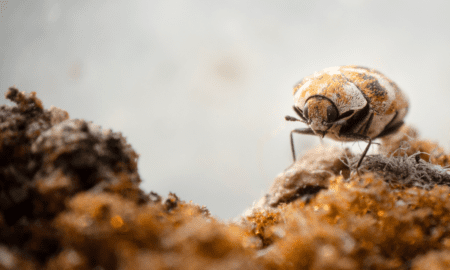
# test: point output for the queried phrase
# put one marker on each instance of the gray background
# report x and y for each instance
(200, 88)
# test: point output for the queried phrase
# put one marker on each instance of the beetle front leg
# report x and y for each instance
(307, 131)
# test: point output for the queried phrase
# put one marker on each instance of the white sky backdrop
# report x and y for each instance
(200, 88)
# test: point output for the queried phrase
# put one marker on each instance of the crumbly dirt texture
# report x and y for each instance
(70, 199)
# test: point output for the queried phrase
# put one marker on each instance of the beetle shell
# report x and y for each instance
(352, 88)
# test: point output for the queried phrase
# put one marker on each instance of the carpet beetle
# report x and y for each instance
(348, 103)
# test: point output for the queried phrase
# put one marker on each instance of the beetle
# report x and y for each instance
(348, 103)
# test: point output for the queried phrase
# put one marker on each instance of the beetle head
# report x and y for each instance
(320, 114)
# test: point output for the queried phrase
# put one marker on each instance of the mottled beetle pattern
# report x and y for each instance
(348, 103)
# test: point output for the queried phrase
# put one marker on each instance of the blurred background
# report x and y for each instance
(200, 88)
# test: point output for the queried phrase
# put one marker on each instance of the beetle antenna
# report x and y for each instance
(290, 118)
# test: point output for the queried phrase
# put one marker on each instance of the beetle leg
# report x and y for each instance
(306, 131)
(369, 122)
(391, 127)
(359, 137)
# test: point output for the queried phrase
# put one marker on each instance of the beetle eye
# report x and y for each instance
(332, 114)
(305, 112)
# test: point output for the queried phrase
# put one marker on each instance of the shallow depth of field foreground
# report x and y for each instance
(70, 199)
